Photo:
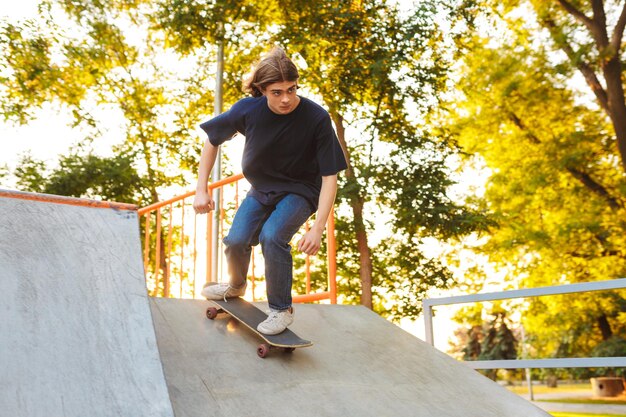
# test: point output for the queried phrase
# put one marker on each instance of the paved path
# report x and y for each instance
(617, 409)
(582, 408)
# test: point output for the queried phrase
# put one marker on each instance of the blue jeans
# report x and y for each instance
(273, 227)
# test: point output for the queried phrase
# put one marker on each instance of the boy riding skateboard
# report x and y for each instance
(291, 158)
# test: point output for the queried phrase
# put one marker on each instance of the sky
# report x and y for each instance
(48, 134)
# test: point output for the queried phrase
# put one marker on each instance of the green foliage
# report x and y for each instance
(415, 187)
(396, 258)
(111, 179)
(473, 345)
(499, 341)
(481, 339)
(557, 189)
(613, 347)
(377, 70)
(97, 64)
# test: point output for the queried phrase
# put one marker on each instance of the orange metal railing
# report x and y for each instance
(178, 248)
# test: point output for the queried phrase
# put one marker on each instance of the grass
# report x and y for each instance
(544, 389)
(559, 414)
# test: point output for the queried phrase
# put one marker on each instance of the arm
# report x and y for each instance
(203, 203)
(312, 240)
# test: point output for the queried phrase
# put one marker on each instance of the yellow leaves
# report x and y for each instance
(557, 189)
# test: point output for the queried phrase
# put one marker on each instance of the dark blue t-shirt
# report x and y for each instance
(283, 153)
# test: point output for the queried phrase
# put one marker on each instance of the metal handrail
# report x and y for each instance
(165, 248)
(615, 284)
(211, 187)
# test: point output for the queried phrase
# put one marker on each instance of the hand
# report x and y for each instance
(203, 203)
(311, 242)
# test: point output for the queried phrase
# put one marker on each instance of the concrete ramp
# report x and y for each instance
(360, 365)
(76, 333)
(80, 338)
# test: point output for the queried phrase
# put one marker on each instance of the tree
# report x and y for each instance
(370, 66)
(100, 68)
(376, 71)
(485, 340)
(557, 189)
(612, 347)
(112, 179)
(591, 34)
(96, 64)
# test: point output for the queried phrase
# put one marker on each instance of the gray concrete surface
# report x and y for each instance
(360, 365)
(79, 337)
(554, 405)
(615, 409)
(76, 333)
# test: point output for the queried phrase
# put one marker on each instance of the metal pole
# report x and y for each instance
(332, 257)
(428, 322)
(217, 168)
(529, 379)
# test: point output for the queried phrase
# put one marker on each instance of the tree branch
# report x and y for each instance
(581, 176)
(571, 9)
(518, 122)
(598, 30)
(583, 66)
(618, 33)
(595, 187)
(599, 16)
(597, 25)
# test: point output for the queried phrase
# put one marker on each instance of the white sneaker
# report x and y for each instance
(276, 322)
(212, 291)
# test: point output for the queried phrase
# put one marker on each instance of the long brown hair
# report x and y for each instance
(276, 67)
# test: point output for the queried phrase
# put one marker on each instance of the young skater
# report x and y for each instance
(291, 158)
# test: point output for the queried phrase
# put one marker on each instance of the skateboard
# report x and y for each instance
(250, 316)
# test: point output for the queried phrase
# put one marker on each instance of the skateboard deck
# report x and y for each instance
(250, 316)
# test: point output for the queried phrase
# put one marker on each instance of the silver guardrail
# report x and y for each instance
(614, 284)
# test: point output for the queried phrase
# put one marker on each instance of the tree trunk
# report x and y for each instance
(617, 105)
(605, 327)
(357, 202)
(612, 100)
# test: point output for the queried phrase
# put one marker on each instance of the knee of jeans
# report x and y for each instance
(234, 243)
(271, 238)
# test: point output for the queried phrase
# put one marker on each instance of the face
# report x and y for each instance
(282, 97)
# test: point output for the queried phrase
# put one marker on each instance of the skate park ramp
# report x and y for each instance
(360, 365)
(79, 337)
(76, 333)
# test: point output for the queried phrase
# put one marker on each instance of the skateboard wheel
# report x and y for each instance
(263, 350)
(211, 313)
